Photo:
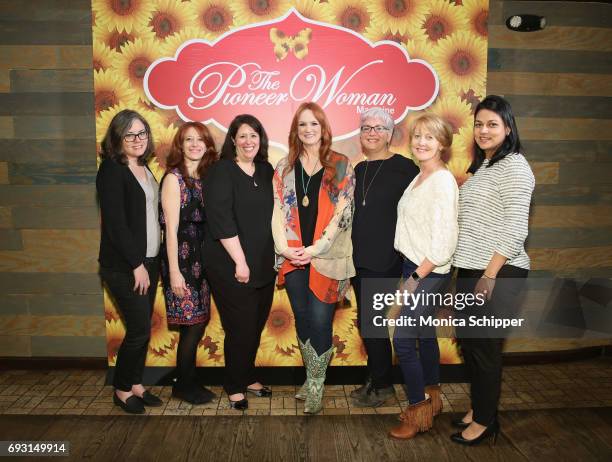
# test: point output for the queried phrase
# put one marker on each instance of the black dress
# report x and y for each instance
(194, 307)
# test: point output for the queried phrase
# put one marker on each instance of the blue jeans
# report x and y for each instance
(313, 318)
(417, 349)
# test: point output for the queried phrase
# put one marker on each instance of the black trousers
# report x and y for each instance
(243, 311)
(380, 355)
(482, 350)
(136, 311)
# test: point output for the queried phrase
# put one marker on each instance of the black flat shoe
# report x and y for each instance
(459, 423)
(132, 405)
(263, 392)
(239, 405)
(491, 430)
(149, 399)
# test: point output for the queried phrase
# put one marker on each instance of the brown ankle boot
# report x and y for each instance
(436, 400)
(415, 418)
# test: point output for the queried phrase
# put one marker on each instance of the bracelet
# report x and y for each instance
(487, 277)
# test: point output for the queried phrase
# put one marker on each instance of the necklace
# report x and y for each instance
(365, 190)
(305, 200)
(252, 175)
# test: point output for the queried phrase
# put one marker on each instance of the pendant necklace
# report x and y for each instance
(365, 190)
(305, 200)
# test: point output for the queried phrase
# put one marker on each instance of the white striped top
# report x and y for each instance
(494, 214)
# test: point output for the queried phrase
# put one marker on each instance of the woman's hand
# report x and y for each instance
(242, 272)
(141, 280)
(485, 286)
(177, 282)
(296, 256)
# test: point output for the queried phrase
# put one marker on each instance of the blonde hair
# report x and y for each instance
(439, 128)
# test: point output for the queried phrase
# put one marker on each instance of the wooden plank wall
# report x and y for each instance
(558, 80)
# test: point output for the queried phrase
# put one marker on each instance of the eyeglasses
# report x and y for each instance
(379, 129)
(131, 137)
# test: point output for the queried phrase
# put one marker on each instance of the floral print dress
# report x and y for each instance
(194, 307)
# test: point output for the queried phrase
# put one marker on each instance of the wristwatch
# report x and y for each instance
(415, 276)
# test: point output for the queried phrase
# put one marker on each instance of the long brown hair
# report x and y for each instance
(296, 146)
(112, 144)
(176, 158)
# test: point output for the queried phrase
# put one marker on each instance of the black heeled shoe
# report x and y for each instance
(132, 405)
(149, 399)
(491, 430)
(263, 392)
(459, 423)
(240, 405)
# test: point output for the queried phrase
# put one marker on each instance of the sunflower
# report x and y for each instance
(250, 11)
(125, 15)
(452, 109)
(110, 90)
(442, 19)
(110, 310)
(210, 352)
(280, 327)
(173, 42)
(269, 354)
(167, 18)
(103, 56)
(162, 136)
(115, 332)
(400, 141)
(313, 9)
(213, 16)
(166, 358)
(113, 38)
(133, 62)
(345, 321)
(477, 14)
(461, 60)
(375, 33)
(460, 156)
(161, 338)
(449, 351)
(352, 14)
(418, 49)
(399, 16)
(353, 353)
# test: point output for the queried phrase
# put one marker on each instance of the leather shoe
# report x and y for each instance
(149, 399)
(193, 394)
(239, 405)
(491, 430)
(132, 405)
(263, 392)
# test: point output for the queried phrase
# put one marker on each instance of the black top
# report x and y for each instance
(308, 215)
(374, 223)
(123, 205)
(235, 206)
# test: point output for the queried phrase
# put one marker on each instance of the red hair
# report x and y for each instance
(296, 146)
(176, 158)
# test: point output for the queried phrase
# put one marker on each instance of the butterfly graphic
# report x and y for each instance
(284, 43)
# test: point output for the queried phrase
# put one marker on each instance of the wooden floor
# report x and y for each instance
(533, 435)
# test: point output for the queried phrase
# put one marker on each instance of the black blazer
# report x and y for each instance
(123, 205)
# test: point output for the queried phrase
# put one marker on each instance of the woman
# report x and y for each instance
(129, 245)
(426, 235)
(380, 182)
(495, 200)
(239, 252)
(313, 206)
(185, 288)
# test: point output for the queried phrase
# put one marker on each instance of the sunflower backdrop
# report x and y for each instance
(130, 35)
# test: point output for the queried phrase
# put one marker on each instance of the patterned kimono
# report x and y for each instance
(332, 251)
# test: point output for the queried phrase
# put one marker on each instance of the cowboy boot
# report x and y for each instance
(436, 400)
(416, 418)
(316, 369)
(303, 392)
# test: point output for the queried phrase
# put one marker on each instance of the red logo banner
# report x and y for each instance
(269, 69)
